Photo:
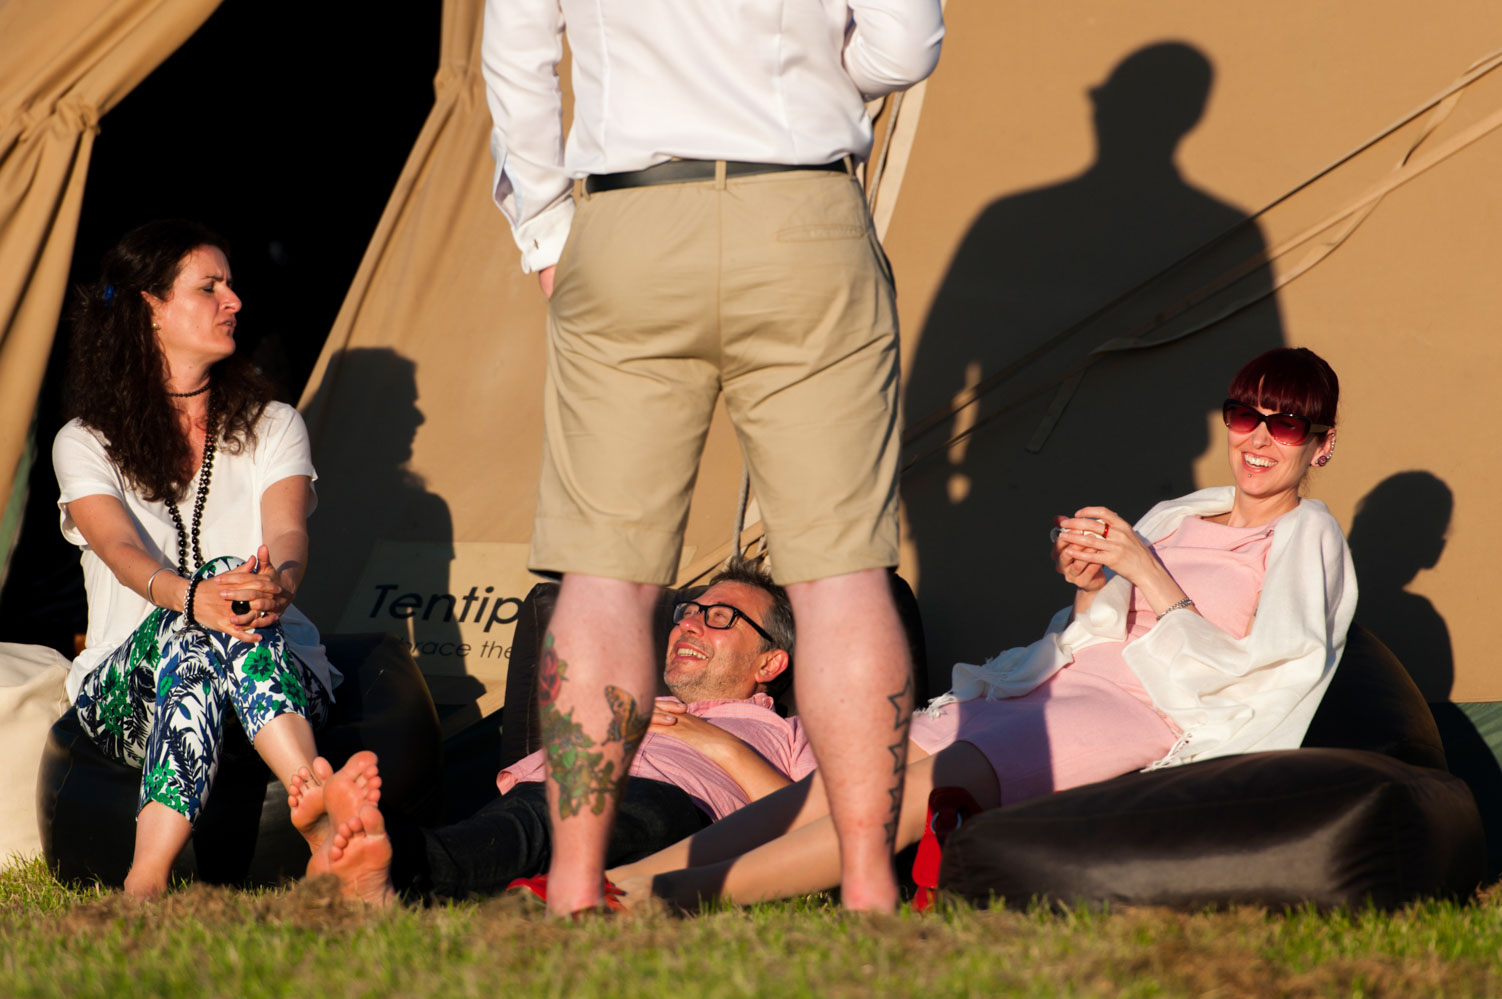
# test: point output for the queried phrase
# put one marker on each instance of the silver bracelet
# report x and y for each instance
(152, 579)
(1181, 605)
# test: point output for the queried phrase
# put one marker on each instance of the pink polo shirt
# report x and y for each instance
(780, 741)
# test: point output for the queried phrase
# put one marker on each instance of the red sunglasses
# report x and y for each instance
(1288, 429)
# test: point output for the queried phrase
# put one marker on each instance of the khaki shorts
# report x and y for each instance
(771, 289)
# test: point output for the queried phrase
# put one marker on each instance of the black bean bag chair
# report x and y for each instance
(86, 802)
(1364, 813)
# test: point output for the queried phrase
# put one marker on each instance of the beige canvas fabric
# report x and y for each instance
(424, 413)
(998, 211)
(31, 699)
(1064, 208)
(1278, 205)
(65, 64)
(433, 332)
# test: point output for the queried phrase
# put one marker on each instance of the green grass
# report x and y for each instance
(306, 941)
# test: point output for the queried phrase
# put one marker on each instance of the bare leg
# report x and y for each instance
(161, 835)
(286, 744)
(854, 683)
(595, 682)
(763, 820)
(359, 855)
(808, 858)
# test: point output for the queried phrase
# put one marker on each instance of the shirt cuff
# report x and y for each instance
(541, 238)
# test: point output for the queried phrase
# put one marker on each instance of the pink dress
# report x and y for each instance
(1093, 720)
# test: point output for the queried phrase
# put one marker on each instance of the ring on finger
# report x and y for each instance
(1105, 529)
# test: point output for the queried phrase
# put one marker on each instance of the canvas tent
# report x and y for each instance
(1191, 183)
(1352, 144)
(63, 67)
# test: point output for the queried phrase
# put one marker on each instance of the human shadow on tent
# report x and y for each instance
(375, 514)
(1041, 279)
(1399, 530)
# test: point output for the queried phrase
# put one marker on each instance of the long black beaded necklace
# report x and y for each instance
(205, 473)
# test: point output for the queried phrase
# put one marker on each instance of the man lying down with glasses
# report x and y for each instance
(715, 745)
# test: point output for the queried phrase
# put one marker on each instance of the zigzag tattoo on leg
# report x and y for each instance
(900, 702)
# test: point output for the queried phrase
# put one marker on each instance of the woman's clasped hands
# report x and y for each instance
(257, 583)
(1097, 538)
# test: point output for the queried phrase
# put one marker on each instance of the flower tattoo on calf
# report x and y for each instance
(583, 775)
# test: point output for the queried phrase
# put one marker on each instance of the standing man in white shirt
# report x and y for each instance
(720, 243)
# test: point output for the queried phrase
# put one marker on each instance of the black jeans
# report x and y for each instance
(509, 838)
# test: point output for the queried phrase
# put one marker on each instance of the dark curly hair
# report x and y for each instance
(117, 375)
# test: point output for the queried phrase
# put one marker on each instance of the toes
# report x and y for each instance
(373, 790)
(347, 830)
(322, 769)
(362, 765)
(372, 821)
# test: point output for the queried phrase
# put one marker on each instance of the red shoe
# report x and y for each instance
(538, 885)
(948, 808)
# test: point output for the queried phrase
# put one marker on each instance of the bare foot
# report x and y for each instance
(357, 784)
(321, 800)
(869, 887)
(305, 801)
(878, 901)
(359, 855)
(144, 888)
(633, 891)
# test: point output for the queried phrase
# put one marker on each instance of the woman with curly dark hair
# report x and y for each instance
(176, 451)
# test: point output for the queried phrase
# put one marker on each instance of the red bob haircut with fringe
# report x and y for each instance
(1289, 380)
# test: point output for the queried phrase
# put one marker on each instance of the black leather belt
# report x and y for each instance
(684, 171)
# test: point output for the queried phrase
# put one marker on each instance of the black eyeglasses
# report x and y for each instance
(720, 617)
(1288, 429)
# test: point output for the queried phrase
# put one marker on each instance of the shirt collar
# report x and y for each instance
(758, 699)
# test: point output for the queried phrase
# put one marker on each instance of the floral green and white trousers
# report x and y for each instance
(158, 701)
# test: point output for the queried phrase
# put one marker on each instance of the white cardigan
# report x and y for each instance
(1227, 695)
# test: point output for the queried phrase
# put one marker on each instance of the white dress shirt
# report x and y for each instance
(768, 81)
